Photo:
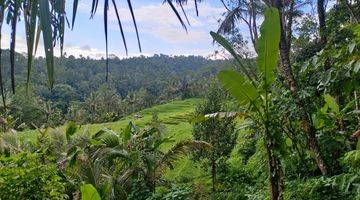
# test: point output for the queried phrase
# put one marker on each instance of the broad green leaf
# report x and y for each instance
(45, 22)
(89, 192)
(224, 43)
(268, 46)
(330, 101)
(238, 86)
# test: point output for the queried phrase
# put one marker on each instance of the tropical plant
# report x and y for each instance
(254, 92)
(112, 162)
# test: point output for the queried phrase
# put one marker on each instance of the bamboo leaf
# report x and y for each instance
(45, 23)
(238, 86)
(268, 46)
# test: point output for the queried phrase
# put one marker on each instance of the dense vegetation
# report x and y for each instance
(82, 94)
(284, 127)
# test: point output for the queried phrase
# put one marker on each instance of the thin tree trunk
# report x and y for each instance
(321, 18)
(276, 175)
(286, 71)
(213, 173)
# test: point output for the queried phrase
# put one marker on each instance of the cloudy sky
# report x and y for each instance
(160, 30)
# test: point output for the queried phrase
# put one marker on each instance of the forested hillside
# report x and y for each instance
(81, 91)
(281, 125)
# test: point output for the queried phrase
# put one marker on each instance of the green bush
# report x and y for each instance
(24, 177)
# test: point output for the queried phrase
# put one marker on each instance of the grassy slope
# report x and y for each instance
(175, 115)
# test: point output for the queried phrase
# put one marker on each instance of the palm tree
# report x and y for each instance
(49, 18)
(113, 161)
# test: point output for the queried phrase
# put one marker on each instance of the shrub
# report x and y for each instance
(24, 177)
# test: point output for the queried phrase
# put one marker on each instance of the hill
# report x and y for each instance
(175, 115)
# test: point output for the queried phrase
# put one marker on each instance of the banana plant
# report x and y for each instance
(254, 90)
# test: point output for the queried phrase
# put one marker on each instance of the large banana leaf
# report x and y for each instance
(239, 86)
(89, 192)
(239, 60)
(268, 46)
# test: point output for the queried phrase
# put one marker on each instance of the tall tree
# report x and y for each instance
(218, 132)
(286, 11)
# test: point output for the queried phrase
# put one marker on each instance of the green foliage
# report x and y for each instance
(89, 192)
(268, 47)
(24, 177)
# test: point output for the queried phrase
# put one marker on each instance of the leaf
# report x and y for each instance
(357, 67)
(358, 145)
(177, 14)
(14, 21)
(71, 129)
(238, 86)
(224, 43)
(30, 25)
(330, 101)
(89, 192)
(196, 8)
(106, 8)
(45, 22)
(1, 75)
(62, 25)
(127, 132)
(75, 6)
(351, 47)
(120, 26)
(135, 25)
(268, 46)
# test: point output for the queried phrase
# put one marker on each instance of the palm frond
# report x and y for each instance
(2, 10)
(181, 149)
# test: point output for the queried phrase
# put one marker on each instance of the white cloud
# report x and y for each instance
(161, 22)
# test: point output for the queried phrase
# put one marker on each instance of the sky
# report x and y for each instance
(160, 30)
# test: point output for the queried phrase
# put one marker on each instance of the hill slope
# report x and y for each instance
(174, 115)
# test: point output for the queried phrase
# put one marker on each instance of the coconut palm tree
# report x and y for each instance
(113, 161)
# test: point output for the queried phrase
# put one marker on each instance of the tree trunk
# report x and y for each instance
(276, 175)
(286, 71)
(213, 173)
(321, 17)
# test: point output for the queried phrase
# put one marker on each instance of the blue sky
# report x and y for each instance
(160, 31)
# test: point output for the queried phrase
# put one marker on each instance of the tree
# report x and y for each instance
(113, 162)
(218, 132)
(254, 93)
